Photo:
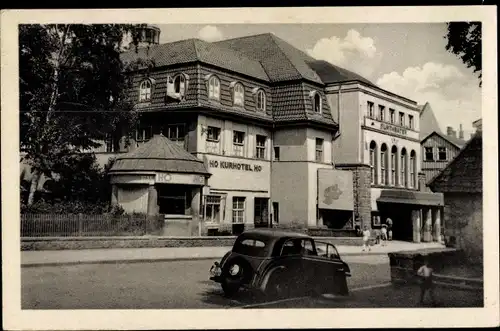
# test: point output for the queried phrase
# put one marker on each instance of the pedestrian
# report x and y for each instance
(426, 284)
(389, 228)
(384, 234)
(366, 238)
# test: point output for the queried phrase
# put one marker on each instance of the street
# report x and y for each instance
(185, 284)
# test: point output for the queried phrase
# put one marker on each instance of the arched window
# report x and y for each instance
(373, 161)
(239, 95)
(145, 90)
(214, 88)
(261, 100)
(413, 169)
(394, 153)
(383, 164)
(317, 102)
(403, 181)
(180, 85)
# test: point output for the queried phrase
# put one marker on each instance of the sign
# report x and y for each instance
(393, 128)
(132, 179)
(335, 189)
(168, 178)
(234, 166)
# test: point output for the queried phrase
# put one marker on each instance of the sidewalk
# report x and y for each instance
(114, 255)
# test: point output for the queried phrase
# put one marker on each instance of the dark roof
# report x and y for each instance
(330, 73)
(281, 61)
(159, 154)
(196, 50)
(464, 173)
(459, 143)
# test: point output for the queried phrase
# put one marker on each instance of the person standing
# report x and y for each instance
(366, 238)
(384, 234)
(389, 228)
(426, 285)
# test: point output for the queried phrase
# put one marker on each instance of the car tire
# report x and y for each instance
(340, 284)
(277, 286)
(231, 284)
(229, 289)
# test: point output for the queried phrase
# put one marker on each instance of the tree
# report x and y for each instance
(464, 40)
(72, 91)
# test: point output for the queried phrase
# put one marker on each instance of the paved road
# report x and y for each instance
(158, 285)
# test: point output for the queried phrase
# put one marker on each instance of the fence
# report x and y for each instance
(68, 225)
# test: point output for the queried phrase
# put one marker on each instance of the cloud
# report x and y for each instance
(210, 33)
(354, 52)
(454, 96)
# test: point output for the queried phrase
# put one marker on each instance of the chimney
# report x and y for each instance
(449, 131)
(461, 133)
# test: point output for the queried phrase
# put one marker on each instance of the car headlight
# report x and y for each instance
(234, 270)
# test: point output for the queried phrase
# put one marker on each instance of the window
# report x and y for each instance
(238, 209)
(393, 165)
(180, 85)
(317, 102)
(238, 143)
(383, 165)
(261, 100)
(392, 113)
(212, 142)
(319, 150)
(381, 113)
(402, 119)
(145, 91)
(213, 88)
(276, 153)
(429, 154)
(239, 95)
(175, 132)
(276, 213)
(212, 209)
(410, 121)
(373, 165)
(413, 166)
(143, 133)
(442, 154)
(260, 147)
(111, 143)
(403, 181)
(370, 110)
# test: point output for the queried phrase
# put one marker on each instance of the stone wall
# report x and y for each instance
(362, 193)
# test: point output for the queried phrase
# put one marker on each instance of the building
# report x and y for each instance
(437, 148)
(461, 182)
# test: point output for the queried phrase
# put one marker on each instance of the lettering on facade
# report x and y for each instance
(234, 166)
(331, 193)
(163, 178)
(393, 128)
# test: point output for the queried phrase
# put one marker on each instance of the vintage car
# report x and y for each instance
(279, 263)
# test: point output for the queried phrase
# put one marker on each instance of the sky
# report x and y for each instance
(408, 59)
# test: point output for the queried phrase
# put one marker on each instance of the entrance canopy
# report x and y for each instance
(411, 197)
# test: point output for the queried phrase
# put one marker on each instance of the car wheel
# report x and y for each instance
(340, 284)
(277, 286)
(229, 289)
(234, 274)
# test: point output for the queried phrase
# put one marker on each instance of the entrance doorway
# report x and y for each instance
(261, 212)
(400, 214)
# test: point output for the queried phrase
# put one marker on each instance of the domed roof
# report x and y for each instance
(159, 154)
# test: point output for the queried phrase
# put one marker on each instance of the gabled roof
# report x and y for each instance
(281, 61)
(196, 50)
(459, 143)
(159, 154)
(464, 173)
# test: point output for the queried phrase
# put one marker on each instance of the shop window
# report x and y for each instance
(172, 199)
(276, 153)
(238, 95)
(261, 100)
(319, 150)
(143, 133)
(383, 164)
(413, 167)
(214, 88)
(393, 164)
(381, 113)
(238, 143)
(373, 162)
(392, 114)
(370, 109)
(260, 147)
(429, 154)
(442, 154)
(410, 121)
(213, 209)
(145, 89)
(213, 140)
(403, 181)
(401, 118)
(238, 210)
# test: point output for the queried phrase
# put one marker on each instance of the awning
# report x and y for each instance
(411, 197)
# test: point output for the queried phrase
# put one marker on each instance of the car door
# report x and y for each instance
(291, 259)
(325, 266)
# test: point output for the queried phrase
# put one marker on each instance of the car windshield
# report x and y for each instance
(252, 246)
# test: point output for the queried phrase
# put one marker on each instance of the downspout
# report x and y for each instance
(270, 213)
(337, 134)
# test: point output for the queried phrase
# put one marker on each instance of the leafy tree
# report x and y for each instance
(72, 91)
(464, 40)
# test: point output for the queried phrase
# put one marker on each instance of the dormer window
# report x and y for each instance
(145, 89)
(213, 88)
(316, 102)
(238, 94)
(261, 100)
(177, 86)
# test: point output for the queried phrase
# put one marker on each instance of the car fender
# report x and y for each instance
(268, 273)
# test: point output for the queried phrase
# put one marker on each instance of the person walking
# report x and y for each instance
(384, 234)
(366, 238)
(426, 284)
